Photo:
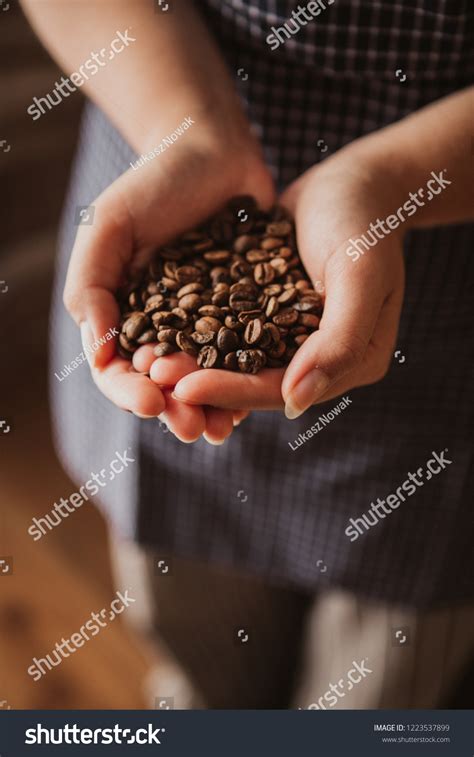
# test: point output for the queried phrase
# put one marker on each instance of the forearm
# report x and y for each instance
(437, 138)
(173, 68)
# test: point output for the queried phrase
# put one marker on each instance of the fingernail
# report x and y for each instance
(306, 391)
(211, 441)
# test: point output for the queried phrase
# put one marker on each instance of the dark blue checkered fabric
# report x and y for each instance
(335, 79)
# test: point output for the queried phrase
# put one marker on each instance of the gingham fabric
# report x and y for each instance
(254, 503)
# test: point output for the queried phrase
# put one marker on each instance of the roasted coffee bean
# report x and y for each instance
(286, 317)
(288, 296)
(203, 246)
(206, 338)
(309, 320)
(194, 288)
(279, 228)
(279, 265)
(272, 307)
(227, 340)
(186, 344)
(211, 310)
(165, 348)
(230, 361)
(233, 323)
(203, 325)
(232, 293)
(167, 335)
(253, 331)
(263, 273)
(147, 337)
(257, 256)
(249, 315)
(190, 302)
(154, 303)
(273, 332)
(271, 243)
(208, 357)
(277, 350)
(135, 325)
(244, 242)
(251, 361)
(187, 274)
(127, 343)
(170, 284)
(217, 256)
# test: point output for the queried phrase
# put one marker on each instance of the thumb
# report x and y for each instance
(353, 303)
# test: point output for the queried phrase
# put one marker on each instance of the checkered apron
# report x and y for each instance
(255, 503)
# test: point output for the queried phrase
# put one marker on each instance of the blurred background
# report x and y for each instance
(57, 582)
(51, 586)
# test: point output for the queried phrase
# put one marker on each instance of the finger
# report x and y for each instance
(239, 416)
(129, 390)
(219, 425)
(227, 389)
(169, 369)
(186, 422)
(353, 302)
(100, 253)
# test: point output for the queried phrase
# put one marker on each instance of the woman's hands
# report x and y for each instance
(143, 209)
(331, 203)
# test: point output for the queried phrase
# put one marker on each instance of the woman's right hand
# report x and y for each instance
(143, 209)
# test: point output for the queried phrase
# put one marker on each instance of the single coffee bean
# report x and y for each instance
(187, 274)
(273, 290)
(272, 307)
(169, 253)
(297, 330)
(211, 310)
(233, 323)
(203, 338)
(203, 325)
(169, 269)
(217, 256)
(288, 296)
(147, 337)
(244, 242)
(203, 246)
(135, 325)
(309, 320)
(186, 344)
(279, 265)
(154, 303)
(253, 331)
(170, 284)
(194, 288)
(272, 243)
(286, 317)
(257, 256)
(251, 361)
(208, 357)
(227, 340)
(230, 361)
(167, 335)
(273, 331)
(127, 343)
(190, 302)
(219, 274)
(249, 315)
(220, 298)
(285, 253)
(277, 350)
(162, 317)
(263, 273)
(239, 268)
(279, 228)
(165, 348)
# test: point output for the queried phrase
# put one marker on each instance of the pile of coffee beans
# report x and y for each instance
(232, 293)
